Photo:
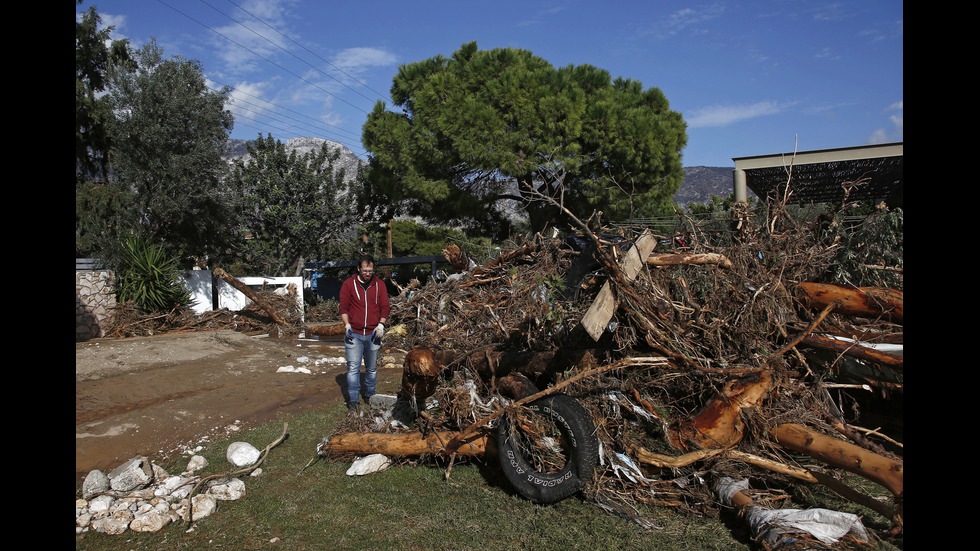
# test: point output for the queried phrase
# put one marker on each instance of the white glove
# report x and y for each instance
(379, 331)
(348, 332)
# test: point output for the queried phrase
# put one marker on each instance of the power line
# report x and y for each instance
(314, 54)
(256, 54)
(240, 91)
(352, 147)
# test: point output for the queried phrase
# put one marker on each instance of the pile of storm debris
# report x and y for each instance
(273, 312)
(687, 371)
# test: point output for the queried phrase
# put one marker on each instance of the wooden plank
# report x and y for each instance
(604, 306)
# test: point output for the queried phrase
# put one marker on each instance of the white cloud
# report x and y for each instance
(896, 132)
(246, 99)
(240, 43)
(687, 17)
(723, 115)
(360, 58)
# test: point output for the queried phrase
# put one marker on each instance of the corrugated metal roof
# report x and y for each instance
(874, 173)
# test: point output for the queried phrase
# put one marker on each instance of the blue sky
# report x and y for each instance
(750, 77)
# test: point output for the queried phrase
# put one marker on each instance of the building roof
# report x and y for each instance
(873, 172)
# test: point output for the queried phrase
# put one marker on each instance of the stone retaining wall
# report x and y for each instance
(94, 300)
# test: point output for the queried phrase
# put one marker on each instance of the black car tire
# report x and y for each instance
(574, 436)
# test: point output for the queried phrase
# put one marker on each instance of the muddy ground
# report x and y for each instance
(162, 395)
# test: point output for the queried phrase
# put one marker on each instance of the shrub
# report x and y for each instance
(149, 278)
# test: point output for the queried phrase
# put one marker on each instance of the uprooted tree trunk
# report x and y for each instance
(252, 295)
(403, 445)
(855, 301)
(720, 423)
(887, 472)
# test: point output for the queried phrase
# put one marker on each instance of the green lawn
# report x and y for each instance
(297, 505)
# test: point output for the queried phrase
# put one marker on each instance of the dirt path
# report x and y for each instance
(160, 395)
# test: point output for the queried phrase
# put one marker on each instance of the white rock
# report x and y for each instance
(95, 482)
(203, 505)
(131, 475)
(228, 491)
(196, 464)
(373, 463)
(159, 473)
(174, 486)
(242, 454)
(151, 521)
(115, 524)
(83, 520)
(124, 508)
(100, 504)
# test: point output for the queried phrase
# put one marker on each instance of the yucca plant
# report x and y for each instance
(149, 278)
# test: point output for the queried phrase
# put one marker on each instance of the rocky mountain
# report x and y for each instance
(348, 161)
(700, 182)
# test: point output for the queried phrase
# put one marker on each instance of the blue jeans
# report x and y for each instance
(356, 348)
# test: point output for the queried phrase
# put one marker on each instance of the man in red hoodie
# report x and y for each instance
(364, 309)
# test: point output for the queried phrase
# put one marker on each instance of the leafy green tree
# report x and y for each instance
(473, 123)
(716, 205)
(95, 55)
(169, 132)
(293, 206)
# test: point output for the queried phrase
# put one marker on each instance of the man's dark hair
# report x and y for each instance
(366, 259)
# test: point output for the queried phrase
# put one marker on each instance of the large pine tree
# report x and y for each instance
(471, 123)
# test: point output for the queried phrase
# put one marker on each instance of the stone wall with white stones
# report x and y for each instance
(94, 300)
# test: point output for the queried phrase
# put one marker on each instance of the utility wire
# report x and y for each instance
(256, 54)
(255, 120)
(314, 54)
(236, 100)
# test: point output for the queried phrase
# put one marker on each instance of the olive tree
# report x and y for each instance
(294, 207)
(169, 130)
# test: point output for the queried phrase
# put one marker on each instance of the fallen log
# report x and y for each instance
(689, 258)
(402, 445)
(330, 330)
(720, 424)
(882, 470)
(854, 301)
(251, 295)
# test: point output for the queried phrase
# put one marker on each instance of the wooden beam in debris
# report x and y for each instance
(603, 307)
(689, 258)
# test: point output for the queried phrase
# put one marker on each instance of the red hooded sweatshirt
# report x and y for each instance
(364, 305)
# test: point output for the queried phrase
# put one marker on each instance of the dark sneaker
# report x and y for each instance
(353, 407)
